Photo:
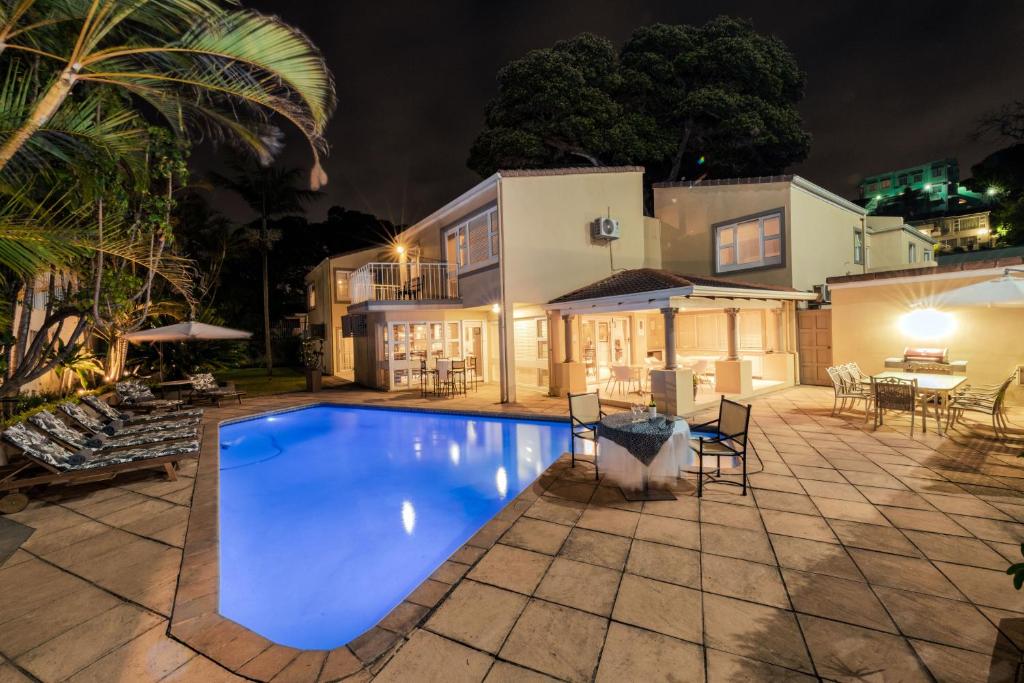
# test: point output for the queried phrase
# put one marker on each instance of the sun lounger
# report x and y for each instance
(111, 413)
(94, 425)
(50, 463)
(205, 388)
(57, 429)
(136, 395)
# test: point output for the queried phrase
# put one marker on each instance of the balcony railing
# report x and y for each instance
(403, 282)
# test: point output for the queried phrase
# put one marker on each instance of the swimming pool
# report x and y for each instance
(331, 515)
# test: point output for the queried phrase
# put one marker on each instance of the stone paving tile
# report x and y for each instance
(428, 657)
(657, 606)
(638, 655)
(512, 568)
(844, 652)
(594, 547)
(826, 596)
(760, 632)
(723, 667)
(559, 641)
(666, 563)
(743, 579)
(584, 586)
(478, 615)
(952, 665)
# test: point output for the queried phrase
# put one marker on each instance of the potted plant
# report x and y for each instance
(312, 361)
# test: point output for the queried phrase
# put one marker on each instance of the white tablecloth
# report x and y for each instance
(622, 469)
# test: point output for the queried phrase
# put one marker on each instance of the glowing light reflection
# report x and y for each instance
(408, 517)
(454, 454)
(501, 481)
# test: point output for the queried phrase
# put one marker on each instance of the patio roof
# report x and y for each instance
(653, 288)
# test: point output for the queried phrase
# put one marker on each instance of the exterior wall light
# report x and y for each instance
(495, 308)
(927, 323)
(399, 249)
(991, 191)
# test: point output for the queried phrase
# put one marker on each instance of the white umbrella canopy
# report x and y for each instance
(1005, 291)
(189, 331)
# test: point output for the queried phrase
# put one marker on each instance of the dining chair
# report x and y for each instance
(728, 439)
(893, 393)
(985, 399)
(847, 386)
(584, 413)
(622, 375)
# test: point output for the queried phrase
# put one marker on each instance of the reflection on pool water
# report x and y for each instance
(331, 515)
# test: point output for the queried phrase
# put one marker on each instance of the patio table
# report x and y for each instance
(928, 383)
(635, 451)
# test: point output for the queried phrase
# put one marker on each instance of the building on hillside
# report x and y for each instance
(958, 232)
(934, 188)
(949, 259)
(487, 277)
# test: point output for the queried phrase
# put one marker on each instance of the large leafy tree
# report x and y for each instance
(560, 106)
(722, 97)
(683, 101)
(270, 192)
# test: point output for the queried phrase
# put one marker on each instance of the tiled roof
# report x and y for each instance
(652, 280)
(573, 170)
(714, 182)
(965, 267)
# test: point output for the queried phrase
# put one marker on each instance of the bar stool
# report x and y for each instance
(472, 370)
(457, 377)
(424, 374)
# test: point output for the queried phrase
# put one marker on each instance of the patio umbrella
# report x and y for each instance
(183, 332)
(190, 331)
(1005, 291)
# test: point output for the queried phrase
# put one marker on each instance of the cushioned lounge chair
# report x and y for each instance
(205, 388)
(57, 429)
(47, 462)
(137, 396)
(126, 416)
(94, 425)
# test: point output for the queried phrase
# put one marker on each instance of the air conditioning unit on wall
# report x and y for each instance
(604, 229)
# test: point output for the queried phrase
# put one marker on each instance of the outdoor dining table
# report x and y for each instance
(931, 384)
(635, 451)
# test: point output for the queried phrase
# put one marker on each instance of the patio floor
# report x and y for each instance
(859, 556)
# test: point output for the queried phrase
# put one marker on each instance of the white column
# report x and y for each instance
(732, 333)
(670, 337)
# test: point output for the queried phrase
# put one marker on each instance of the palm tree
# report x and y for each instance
(271, 192)
(199, 63)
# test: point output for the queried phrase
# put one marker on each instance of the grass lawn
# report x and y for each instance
(254, 381)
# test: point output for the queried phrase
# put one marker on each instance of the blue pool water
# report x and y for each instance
(330, 516)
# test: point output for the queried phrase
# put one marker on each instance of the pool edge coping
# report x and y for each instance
(196, 622)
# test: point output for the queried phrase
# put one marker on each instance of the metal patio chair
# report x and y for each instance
(584, 414)
(985, 399)
(729, 441)
(893, 393)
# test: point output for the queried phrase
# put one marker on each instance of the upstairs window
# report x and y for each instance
(474, 242)
(341, 285)
(311, 297)
(912, 253)
(752, 243)
(858, 247)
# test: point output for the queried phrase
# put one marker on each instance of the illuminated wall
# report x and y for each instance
(873, 320)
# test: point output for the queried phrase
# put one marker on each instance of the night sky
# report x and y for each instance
(889, 84)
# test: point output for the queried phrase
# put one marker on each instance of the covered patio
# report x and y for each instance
(686, 340)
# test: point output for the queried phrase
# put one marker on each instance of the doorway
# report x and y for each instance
(815, 345)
